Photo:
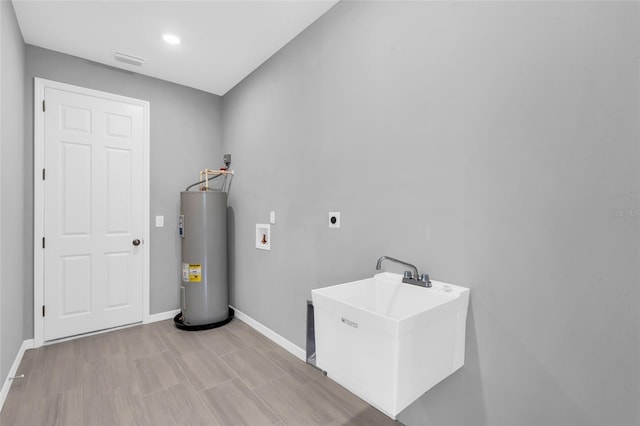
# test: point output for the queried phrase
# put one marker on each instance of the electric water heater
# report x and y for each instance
(204, 287)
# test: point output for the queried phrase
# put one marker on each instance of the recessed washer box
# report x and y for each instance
(263, 236)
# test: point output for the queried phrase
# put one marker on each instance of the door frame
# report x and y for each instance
(38, 200)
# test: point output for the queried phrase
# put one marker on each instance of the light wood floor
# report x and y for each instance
(156, 374)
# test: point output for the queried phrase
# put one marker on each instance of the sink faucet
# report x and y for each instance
(409, 277)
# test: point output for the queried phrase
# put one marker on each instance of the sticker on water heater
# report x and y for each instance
(195, 272)
(191, 272)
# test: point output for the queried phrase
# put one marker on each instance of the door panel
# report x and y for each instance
(118, 280)
(93, 202)
(119, 191)
(75, 119)
(75, 271)
(75, 180)
(119, 126)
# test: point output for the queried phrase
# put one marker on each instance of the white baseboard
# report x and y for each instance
(295, 350)
(161, 316)
(259, 327)
(27, 344)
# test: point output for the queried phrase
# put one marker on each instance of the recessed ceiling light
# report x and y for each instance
(171, 39)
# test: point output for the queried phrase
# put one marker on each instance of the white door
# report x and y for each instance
(93, 212)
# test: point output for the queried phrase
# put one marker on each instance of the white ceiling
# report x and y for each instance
(222, 41)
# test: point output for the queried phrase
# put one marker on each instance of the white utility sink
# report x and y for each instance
(389, 342)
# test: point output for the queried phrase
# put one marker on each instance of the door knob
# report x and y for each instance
(136, 242)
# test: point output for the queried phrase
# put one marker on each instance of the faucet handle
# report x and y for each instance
(425, 279)
(408, 275)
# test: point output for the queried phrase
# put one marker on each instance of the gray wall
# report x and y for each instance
(186, 132)
(14, 189)
(493, 144)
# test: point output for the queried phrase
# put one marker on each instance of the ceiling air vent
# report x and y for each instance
(128, 59)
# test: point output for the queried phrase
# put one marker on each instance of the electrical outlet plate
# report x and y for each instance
(263, 236)
(334, 219)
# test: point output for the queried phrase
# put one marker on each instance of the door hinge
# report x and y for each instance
(43, 244)
(43, 174)
(42, 310)
(44, 108)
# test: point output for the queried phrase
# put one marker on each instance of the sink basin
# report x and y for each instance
(389, 342)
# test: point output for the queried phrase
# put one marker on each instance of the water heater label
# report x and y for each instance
(191, 272)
